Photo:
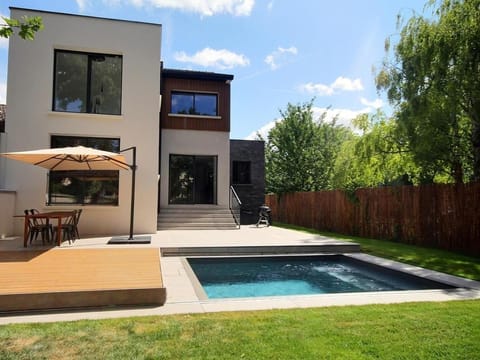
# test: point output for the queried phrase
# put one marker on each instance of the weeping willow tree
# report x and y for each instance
(432, 78)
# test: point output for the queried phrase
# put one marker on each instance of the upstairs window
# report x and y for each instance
(189, 103)
(241, 172)
(87, 83)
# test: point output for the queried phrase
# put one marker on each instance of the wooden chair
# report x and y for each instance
(37, 226)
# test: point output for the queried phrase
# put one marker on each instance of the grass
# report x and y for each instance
(433, 259)
(448, 330)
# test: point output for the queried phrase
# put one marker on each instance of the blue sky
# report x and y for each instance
(279, 51)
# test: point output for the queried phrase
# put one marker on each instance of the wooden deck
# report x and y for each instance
(77, 278)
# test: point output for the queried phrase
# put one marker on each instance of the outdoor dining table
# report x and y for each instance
(59, 215)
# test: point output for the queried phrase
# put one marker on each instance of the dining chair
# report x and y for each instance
(68, 227)
(76, 234)
(37, 226)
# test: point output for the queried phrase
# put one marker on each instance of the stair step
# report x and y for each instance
(195, 217)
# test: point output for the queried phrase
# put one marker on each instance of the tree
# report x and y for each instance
(300, 152)
(376, 157)
(433, 82)
(27, 27)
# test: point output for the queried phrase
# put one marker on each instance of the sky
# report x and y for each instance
(279, 51)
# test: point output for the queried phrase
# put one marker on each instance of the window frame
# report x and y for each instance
(193, 94)
(84, 176)
(90, 56)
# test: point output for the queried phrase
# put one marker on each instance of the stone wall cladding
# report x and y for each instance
(251, 195)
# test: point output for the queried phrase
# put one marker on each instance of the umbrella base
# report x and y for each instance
(126, 240)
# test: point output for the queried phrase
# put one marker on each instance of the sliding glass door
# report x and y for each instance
(192, 179)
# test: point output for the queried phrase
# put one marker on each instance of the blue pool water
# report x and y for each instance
(298, 275)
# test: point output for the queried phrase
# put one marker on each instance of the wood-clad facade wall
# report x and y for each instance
(195, 122)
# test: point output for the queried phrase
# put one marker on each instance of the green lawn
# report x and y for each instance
(448, 330)
(433, 259)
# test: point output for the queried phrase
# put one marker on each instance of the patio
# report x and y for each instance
(181, 294)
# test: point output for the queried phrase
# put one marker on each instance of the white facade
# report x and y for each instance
(31, 121)
(192, 142)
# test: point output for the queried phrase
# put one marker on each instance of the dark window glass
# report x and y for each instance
(194, 104)
(241, 172)
(182, 103)
(84, 187)
(87, 83)
(206, 104)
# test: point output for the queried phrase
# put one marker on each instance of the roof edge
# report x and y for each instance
(193, 74)
(83, 16)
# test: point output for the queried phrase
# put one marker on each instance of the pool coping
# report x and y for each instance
(458, 284)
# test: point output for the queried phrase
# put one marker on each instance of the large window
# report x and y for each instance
(84, 187)
(241, 172)
(87, 83)
(194, 103)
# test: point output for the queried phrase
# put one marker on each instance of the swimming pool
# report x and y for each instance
(239, 277)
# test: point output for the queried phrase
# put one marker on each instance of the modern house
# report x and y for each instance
(100, 83)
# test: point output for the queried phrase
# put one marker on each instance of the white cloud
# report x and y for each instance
(376, 104)
(3, 41)
(317, 89)
(222, 59)
(340, 84)
(263, 131)
(270, 5)
(3, 93)
(346, 84)
(82, 4)
(202, 7)
(280, 57)
(342, 116)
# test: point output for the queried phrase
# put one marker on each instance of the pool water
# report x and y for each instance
(299, 275)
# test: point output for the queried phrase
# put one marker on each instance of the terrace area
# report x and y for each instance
(140, 277)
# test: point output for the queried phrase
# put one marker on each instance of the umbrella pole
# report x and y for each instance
(133, 167)
(132, 201)
(139, 239)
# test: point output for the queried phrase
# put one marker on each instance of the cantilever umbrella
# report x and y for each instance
(71, 158)
(81, 158)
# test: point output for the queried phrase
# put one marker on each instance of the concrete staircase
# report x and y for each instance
(195, 217)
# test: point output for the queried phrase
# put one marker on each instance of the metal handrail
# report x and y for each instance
(235, 205)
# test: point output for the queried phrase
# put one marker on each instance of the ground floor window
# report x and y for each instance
(192, 179)
(99, 187)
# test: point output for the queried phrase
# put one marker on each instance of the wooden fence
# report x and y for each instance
(440, 216)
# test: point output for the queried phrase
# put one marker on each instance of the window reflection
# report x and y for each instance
(194, 104)
(87, 83)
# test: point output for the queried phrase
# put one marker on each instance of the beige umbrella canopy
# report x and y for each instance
(71, 158)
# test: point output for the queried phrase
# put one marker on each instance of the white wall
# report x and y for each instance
(7, 211)
(31, 121)
(190, 142)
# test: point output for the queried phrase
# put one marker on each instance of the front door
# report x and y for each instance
(192, 179)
